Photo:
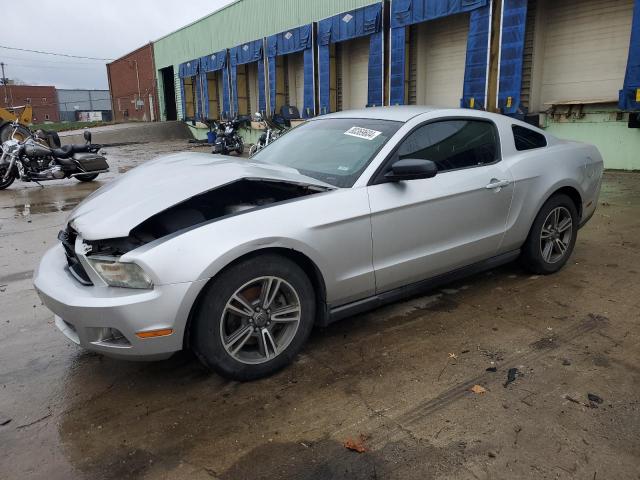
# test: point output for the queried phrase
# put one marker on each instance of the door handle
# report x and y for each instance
(496, 184)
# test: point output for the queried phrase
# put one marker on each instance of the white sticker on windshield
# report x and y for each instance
(362, 132)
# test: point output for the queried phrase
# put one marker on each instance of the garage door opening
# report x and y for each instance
(349, 74)
(189, 101)
(290, 81)
(214, 87)
(351, 60)
(247, 79)
(436, 53)
(169, 93)
(246, 96)
(291, 73)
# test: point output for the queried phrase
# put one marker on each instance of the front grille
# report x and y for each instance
(68, 239)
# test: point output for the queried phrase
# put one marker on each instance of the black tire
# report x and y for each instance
(206, 337)
(10, 180)
(88, 177)
(240, 147)
(533, 252)
(7, 130)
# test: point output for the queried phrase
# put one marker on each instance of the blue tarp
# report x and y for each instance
(214, 62)
(346, 26)
(630, 93)
(514, 21)
(408, 12)
(247, 53)
(188, 69)
(475, 69)
(291, 41)
(352, 24)
(396, 87)
(375, 95)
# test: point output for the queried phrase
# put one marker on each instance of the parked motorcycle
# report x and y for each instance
(228, 139)
(271, 132)
(35, 159)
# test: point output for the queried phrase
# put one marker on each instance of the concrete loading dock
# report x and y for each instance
(532, 59)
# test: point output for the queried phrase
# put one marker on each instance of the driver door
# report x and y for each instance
(427, 227)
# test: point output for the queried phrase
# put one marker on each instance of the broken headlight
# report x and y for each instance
(120, 274)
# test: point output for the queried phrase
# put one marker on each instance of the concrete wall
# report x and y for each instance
(604, 126)
(128, 73)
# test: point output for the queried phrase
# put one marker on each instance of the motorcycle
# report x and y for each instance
(40, 157)
(271, 132)
(227, 138)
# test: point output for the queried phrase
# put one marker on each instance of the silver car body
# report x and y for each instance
(364, 242)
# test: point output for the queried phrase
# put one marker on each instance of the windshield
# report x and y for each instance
(334, 150)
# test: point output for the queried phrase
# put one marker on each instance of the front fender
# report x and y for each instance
(333, 231)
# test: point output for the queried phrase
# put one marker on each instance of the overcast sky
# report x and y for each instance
(91, 28)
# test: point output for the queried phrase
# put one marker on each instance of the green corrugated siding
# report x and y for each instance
(242, 21)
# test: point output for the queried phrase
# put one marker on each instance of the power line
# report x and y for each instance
(56, 61)
(53, 53)
(32, 66)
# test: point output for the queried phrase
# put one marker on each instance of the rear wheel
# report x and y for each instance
(254, 318)
(87, 177)
(552, 236)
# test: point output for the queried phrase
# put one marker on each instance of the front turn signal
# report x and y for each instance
(163, 332)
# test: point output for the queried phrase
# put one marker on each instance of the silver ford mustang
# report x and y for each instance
(239, 259)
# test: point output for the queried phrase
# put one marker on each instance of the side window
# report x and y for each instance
(453, 144)
(527, 139)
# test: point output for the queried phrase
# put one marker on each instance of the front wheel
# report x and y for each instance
(7, 132)
(239, 146)
(254, 318)
(87, 177)
(5, 183)
(552, 236)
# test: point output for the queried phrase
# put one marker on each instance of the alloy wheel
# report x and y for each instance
(260, 320)
(556, 235)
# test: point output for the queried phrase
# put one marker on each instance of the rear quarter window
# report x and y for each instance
(527, 139)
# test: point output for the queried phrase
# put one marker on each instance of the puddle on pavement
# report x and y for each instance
(52, 207)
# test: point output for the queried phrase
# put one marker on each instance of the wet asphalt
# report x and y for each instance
(398, 382)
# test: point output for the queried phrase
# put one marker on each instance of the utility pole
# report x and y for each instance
(138, 80)
(4, 82)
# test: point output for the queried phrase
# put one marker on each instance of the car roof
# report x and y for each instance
(402, 113)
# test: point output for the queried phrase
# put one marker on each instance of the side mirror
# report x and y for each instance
(87, 136)
(411, 169)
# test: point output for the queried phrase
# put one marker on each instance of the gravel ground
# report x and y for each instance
(398, 382)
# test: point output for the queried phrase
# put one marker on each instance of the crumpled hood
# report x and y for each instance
(115, 209)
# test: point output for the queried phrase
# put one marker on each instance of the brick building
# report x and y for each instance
(132, 84)
(43, 99)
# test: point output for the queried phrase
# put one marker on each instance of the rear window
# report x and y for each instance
(527, 139)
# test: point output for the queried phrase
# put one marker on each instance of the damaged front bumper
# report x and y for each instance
(106, 319)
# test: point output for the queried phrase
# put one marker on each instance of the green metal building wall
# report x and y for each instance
(239, 22)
